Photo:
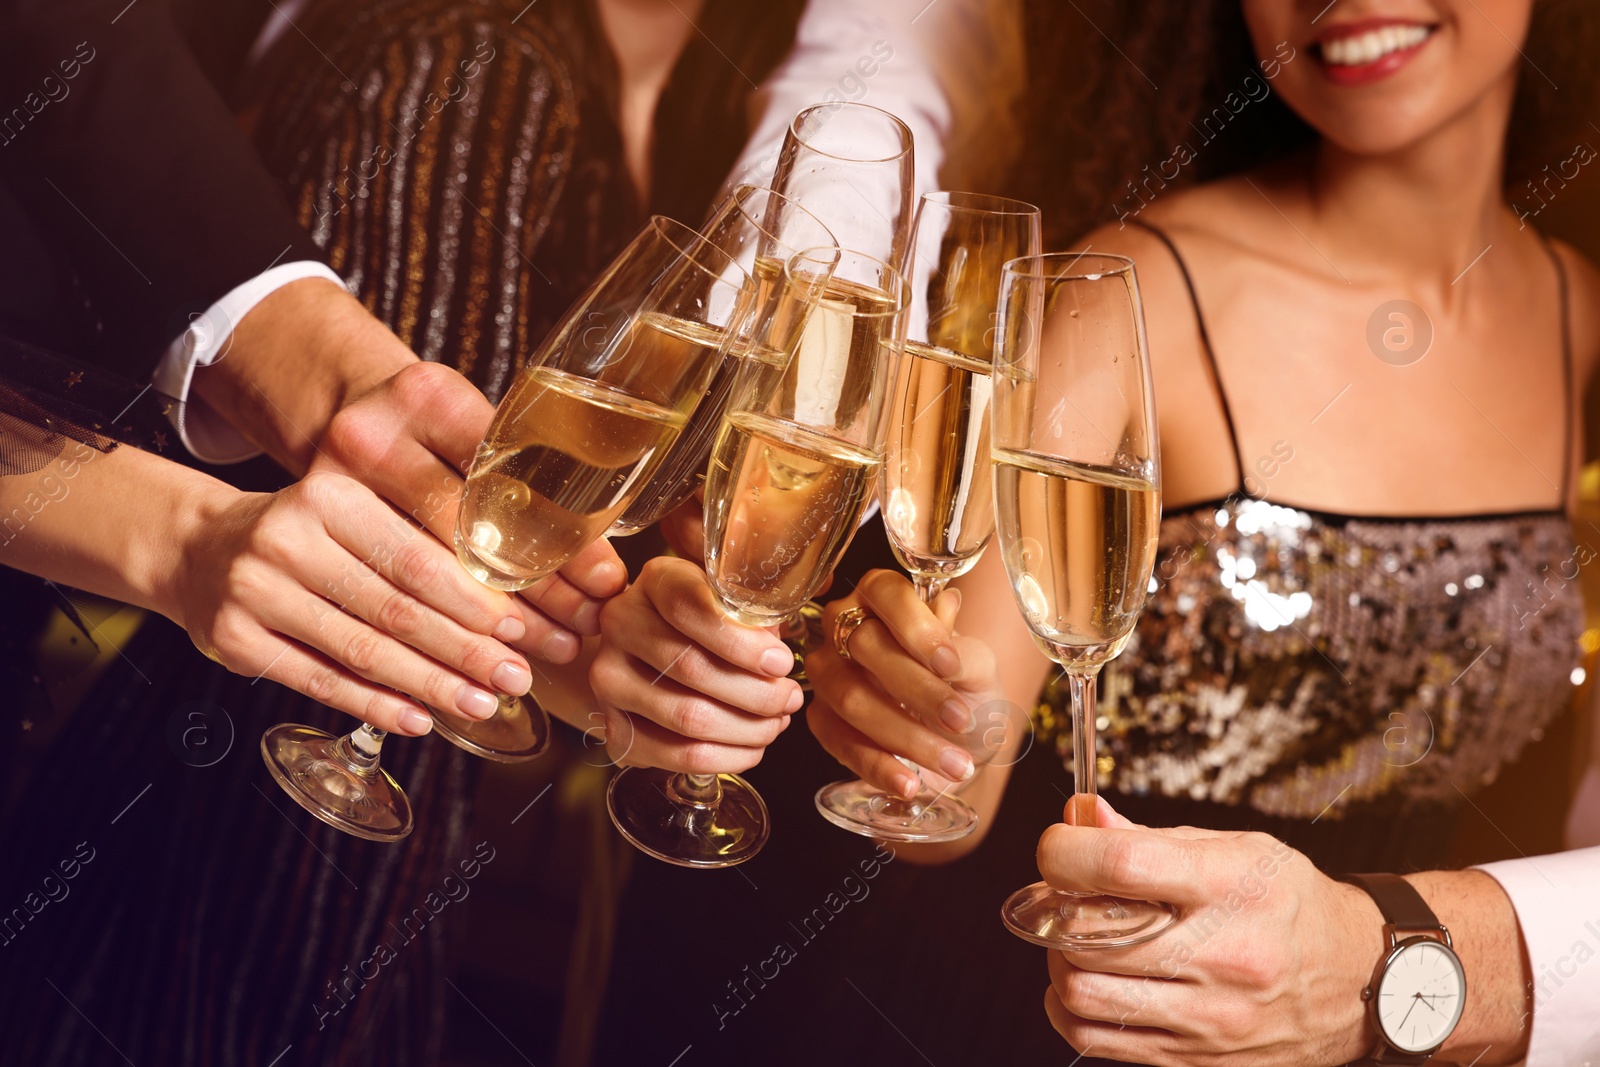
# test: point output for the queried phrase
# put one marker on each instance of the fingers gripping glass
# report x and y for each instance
(574, 440)
(792, 468)
(1077, 484)
(936, 493)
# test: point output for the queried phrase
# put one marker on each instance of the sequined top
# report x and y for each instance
(1303, 663)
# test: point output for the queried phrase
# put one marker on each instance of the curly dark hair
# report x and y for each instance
(1096, 120)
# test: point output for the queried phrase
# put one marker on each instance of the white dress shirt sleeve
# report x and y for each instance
(1557, 900)
(205, 433)
(865, 52)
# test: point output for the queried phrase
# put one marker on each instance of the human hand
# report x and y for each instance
(409, 439)
(322, 587)
(1265, 966)
(680, 685)
(912, 688)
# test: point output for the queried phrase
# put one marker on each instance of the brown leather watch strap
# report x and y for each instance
(1401, 905)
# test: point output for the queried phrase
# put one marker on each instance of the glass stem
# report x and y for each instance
(929, 586)
(700, 790)
(1082, 687)
(360, 749)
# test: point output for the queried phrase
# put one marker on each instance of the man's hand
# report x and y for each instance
(1265, 965)
(320, 384)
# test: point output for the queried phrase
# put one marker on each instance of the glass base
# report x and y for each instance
(662, 813)
(802, 634)
(867, 810)
(519, 731)
(315, 769)
(1053, 918)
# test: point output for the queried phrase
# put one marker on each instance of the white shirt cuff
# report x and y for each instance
(1557, 900)
(205, 433)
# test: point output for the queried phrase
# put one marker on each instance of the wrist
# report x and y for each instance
(301, 354)
(199, 514)
(1361, 946)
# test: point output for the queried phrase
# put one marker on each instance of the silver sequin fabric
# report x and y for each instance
(1302, 664)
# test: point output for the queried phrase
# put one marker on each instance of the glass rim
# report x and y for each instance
(900, 299)
(664, 224)
(985, 203)
(1038, 266)
(748, 190)
(837, 105)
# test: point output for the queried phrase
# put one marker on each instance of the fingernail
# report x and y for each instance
(511, 678)
(608, 574)
(470, 700)
(787, 719)
(906, 785)
(946, 662)
(560, 647)
(954, 595)
(511, 628)
(777, 662)
(796, 698)
(955, 716)
(586, 620)
(415, 723)
(955, 765)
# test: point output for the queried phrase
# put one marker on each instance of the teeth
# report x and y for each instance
(1373, 45)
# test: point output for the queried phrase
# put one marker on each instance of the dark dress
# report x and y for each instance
(1341, 682)
(468, 182)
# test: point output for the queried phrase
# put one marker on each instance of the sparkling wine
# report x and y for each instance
(782, 502)
(554, 473)
(1080, 544)
(762, 356)
(938, 502)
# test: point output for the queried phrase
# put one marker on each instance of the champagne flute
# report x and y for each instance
(792, 469)
(853, 166)
(760, 230)
(937, 495)
(1078, 506)
(575, 438)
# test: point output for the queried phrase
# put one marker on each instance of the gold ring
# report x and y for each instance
(844, 625)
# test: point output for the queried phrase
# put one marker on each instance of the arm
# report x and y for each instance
(1270, 956)
(319, 586)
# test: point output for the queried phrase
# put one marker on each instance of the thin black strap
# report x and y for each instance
(1205, 342)
(1566, 366)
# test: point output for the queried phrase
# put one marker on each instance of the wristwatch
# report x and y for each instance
(1418, 989)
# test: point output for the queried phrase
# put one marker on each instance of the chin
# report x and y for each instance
(1375, 78)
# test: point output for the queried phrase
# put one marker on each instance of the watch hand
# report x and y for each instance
(1414, 998)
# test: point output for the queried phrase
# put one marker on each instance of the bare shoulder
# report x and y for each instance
(1583, 301)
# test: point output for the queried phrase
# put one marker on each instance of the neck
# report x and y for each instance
(1432, 206)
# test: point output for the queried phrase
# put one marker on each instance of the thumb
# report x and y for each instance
(1083, 810)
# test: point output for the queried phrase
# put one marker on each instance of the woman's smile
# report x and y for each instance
(1357, 53)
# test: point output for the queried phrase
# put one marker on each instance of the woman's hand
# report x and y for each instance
(912, 688)
(1265, 966)
(680, 685)
(324, 588)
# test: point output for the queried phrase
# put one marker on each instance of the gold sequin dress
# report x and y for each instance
(1305, 665)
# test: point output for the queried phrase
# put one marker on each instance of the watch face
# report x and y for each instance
(1421, 995)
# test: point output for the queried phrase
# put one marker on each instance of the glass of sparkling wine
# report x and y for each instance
(760, 230)
(1077, 485)
(851, 165)
(792, 468)
(937, 490)
(578, 434)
